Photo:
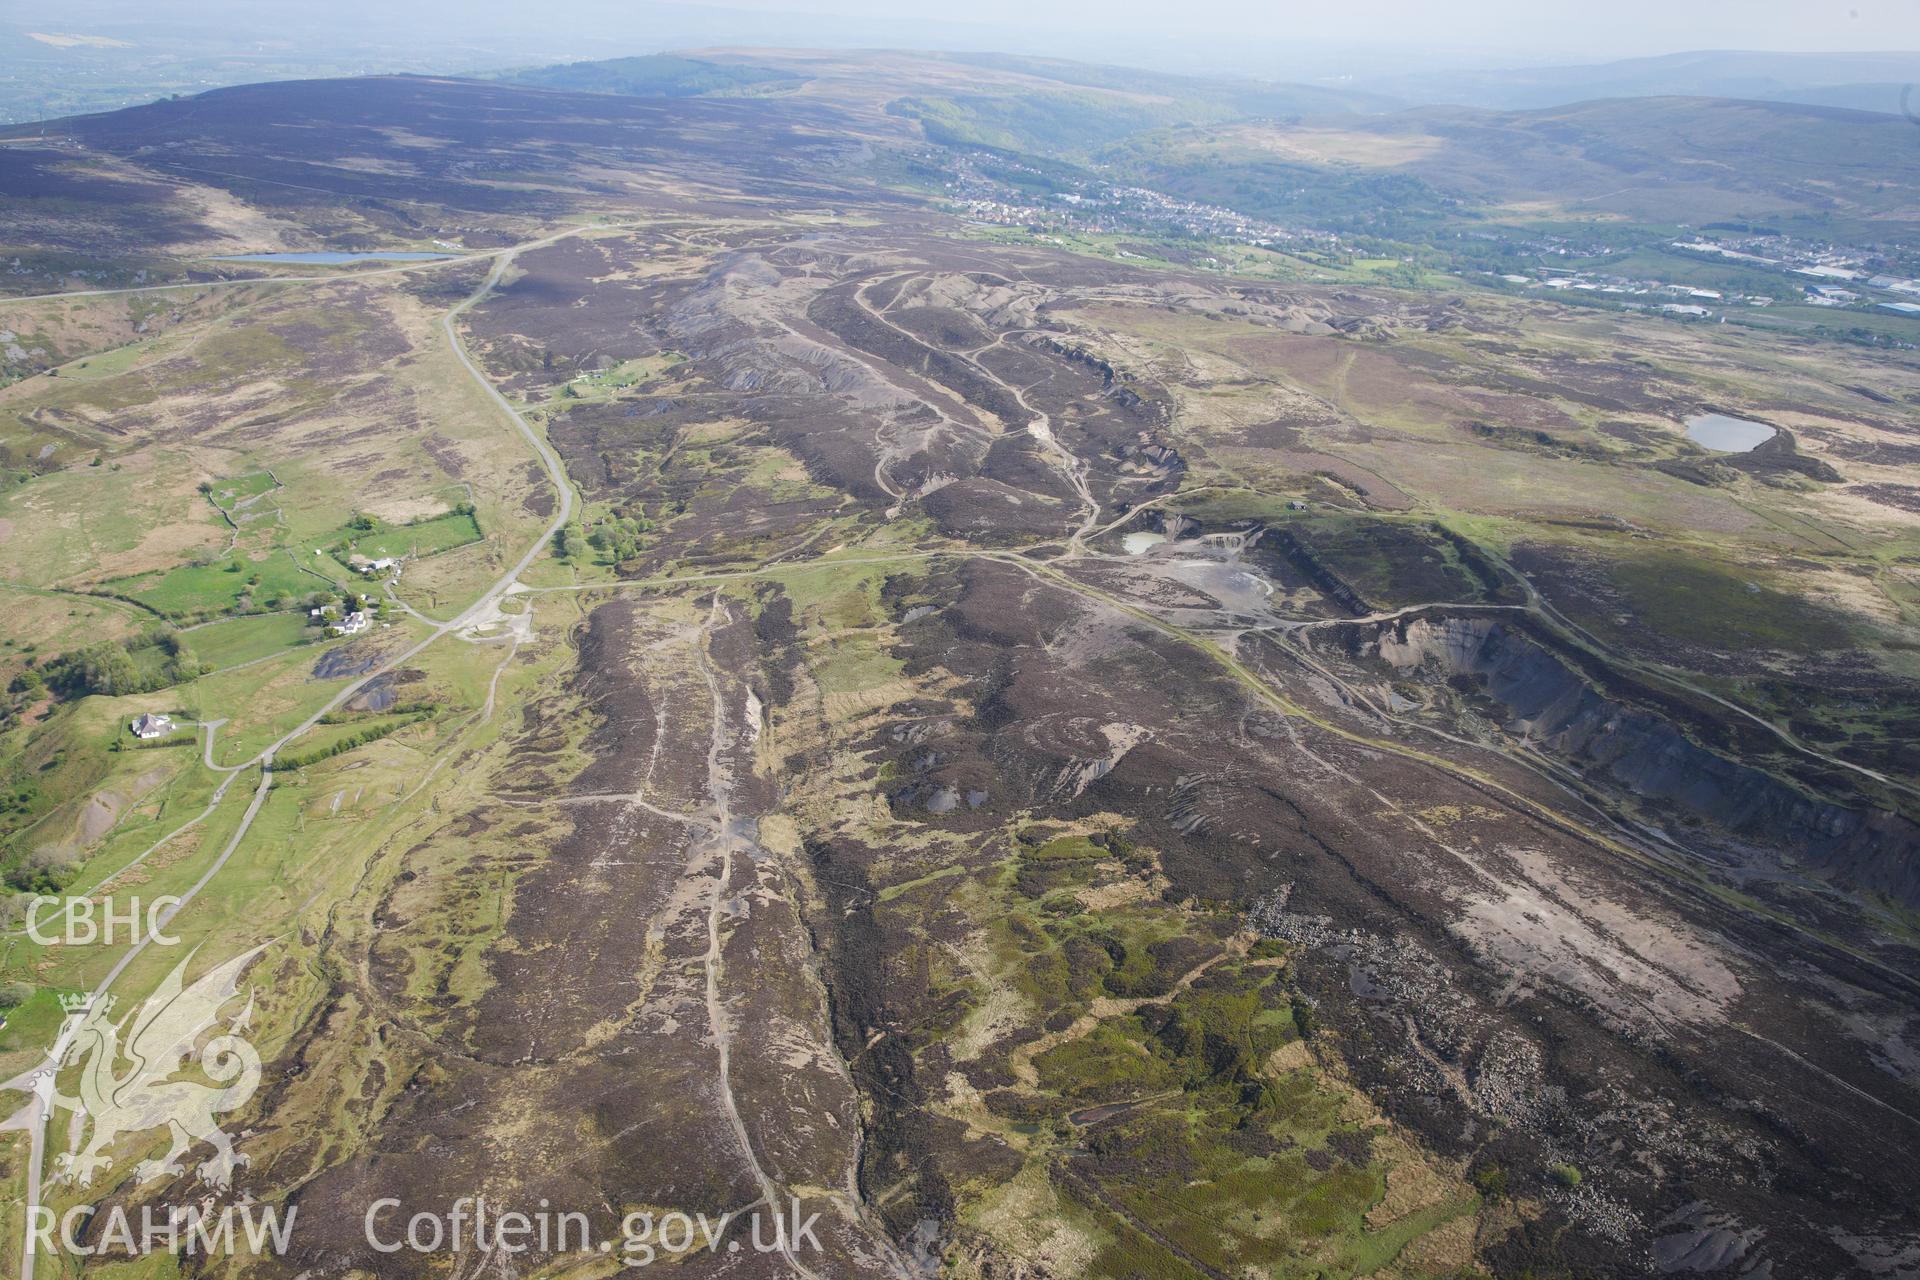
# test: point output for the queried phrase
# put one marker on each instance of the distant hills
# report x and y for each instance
(1041, 105)
(656, 75)
(1307, 152)
(1863, 81)
(1663, 161)
(1340, 160)
(1856, 81)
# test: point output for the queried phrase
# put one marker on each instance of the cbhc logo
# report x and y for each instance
(84, 921)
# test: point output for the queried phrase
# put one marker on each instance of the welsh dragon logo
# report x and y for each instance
(125, 1086)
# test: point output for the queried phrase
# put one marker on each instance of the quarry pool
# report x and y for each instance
(1727, 435)
(1141, 542)
(327, 259)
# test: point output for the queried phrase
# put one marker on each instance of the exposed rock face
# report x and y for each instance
(1556, 708)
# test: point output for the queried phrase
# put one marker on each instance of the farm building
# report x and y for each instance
(152, 726)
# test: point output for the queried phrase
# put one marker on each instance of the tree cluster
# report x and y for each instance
(110, 668)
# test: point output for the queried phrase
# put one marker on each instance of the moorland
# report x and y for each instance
(1199, 732)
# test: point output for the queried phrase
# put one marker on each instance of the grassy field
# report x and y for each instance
(227, 494)
(421, 538)
(90, 523)
(240, 583)
(106, 364)
(241, 640)
(1159, 253)
(246, 581)
(42, 622)
(1884, 325)
(607, 384)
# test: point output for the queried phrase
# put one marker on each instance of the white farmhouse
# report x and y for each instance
(152, 726)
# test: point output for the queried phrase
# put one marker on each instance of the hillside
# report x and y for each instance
(1659, 160)
(1048, 106)
(314, 164)
(1354, 158)
(660, 75)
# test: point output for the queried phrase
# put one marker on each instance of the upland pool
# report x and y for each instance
(1727, 435)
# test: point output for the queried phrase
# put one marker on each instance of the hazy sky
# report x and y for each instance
(1282, 39)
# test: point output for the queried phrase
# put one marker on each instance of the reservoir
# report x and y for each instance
(1727, 435)
(328, 259)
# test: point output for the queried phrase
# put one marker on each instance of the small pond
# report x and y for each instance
(1141, 541)
(1727, 435)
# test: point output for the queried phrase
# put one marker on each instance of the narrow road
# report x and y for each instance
(330, 278)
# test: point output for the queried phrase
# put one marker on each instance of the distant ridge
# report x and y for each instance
(1863, 81)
